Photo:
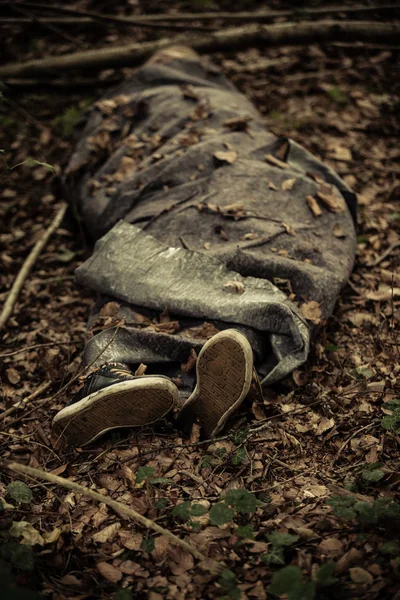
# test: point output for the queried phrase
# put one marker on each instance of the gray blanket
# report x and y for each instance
(200, 211)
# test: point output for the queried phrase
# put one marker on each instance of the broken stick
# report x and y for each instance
(27, 266)
(229, 38)
(211, 565)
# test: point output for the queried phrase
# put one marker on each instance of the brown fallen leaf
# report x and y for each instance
(272, 186)
(359, 575)
(70, 580)
(128, 567)
(354, 555)
(334, 203)
(311, 311)
(161, 547)
(338, 231)
(324, 425)
(50, 537)
(106, 534)
(13, 375)
(109, 572)
(236, 287)
(314, 206)
(131, 541)
(275, 161)
(383, 293)
(331, 547)
(228, 157)
(342, 153)
(237, 123)
(187, 366)
(288, 184)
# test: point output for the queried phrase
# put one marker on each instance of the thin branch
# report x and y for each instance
(28, 264)
(35, 347)
(95, 16)
(25, 401)
(225, 39)
(51, 27)
(211, 565)
(241, 17)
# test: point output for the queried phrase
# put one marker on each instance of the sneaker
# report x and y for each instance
(113, 397)
(224, 372)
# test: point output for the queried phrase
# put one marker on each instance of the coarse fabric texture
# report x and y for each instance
(204, 213)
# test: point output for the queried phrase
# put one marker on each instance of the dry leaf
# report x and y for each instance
(288, 184)
(30, 536)
(258, 591)
(70, 580)
(349, 558)
(314, 206)
(383, 294)
(338, 231)
(237, 123)
(187, 366)
(334, 203)
(324, 425)
(13, 375)
(316, 491)
(275, 161)
(161, 546)
(331, 547)
(340, 153)
(106, 534)
(228, 157)
(311, 311)
(131, 541)
(128, 567)
(50, 537)
(109, 572)
(236, 287)
(272, 186)
(359, 575)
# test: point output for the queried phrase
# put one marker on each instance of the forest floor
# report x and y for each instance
(321, 478)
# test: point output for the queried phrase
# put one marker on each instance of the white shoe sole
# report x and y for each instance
(224, 372)
(131, 403)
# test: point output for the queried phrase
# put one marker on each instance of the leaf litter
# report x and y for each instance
(331, 431)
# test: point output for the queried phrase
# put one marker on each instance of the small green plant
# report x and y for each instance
(19, 491)
(235, 501)
(186, 510)
(228, 584)
(279, 541)
(147, 545)
(290, 581)
(392, 422)
(70, 117)
(383, 512)
(371, 474)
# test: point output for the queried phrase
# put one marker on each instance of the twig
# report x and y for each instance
(34, 347)
(381, 258)
(66, 386)
(95, 16)
(28, 264)
(241, 17)
(213, 566)
(229, 38)
(25, 401)
(353, 435)
(34, 20)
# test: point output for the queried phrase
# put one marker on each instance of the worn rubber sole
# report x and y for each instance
(224, 372)
(131, 403)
